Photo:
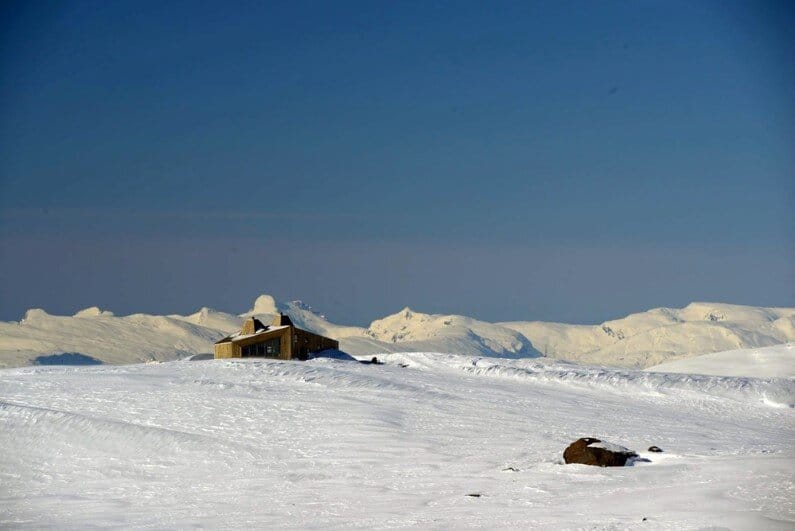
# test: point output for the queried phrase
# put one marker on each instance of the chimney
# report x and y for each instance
(282, 320)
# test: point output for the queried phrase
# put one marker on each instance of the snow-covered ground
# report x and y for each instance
(330, 443)
(639, 340)
(768, 362)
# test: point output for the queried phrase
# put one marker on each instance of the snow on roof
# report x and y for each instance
(239, 337)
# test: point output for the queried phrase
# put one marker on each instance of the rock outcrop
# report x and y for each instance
(591, 451)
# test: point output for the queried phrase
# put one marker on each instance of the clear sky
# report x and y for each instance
(570, 161)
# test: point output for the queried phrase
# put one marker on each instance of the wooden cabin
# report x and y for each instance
(281, 340)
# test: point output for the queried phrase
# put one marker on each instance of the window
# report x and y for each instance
(268, 348)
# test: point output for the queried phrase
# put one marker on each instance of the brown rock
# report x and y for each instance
(591, 451)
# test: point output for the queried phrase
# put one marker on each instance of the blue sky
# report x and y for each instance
(568, 161)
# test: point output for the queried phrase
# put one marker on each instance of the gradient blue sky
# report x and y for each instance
(569, 161)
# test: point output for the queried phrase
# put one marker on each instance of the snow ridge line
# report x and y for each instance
(104, 427)
(774, 392)
(327, 373)
(770, 391)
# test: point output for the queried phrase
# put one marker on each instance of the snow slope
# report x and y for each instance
(327, 443)
(102, 336)
(767, 362)
(408, 330)
(649, 338)
(639, 340)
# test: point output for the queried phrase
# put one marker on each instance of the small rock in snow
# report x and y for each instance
(592, 451)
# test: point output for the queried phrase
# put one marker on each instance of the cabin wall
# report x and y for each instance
(248, 327)
(226, 350)
(305, 343)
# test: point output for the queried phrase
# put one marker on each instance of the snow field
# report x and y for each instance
(330, 443)
(767, 362)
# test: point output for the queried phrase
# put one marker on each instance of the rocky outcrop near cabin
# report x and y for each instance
(592, 451)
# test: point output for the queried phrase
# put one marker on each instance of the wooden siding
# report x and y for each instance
(305, 343)
(294, 344)
(226, 350)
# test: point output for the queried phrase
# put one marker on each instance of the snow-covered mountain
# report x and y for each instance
(303, 315)
(652, 337)
(102, 336)
(638, 340)
(413, 331)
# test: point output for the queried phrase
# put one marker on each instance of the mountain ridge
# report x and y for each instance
(639, 340)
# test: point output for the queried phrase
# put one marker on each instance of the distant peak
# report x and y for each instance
(408, 314)
(264, 304)
(32, 314)
(203, 313)
(93, 311)
(301, 306)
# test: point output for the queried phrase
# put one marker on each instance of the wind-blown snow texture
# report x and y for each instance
(330, 443)
(639, 340)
